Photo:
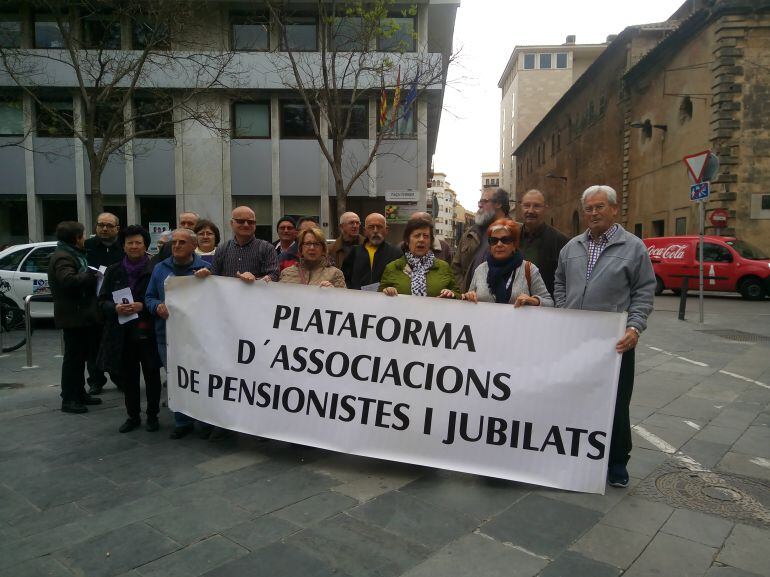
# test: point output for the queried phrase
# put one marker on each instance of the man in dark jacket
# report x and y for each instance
(366, 262)
(350, 225)
(102, 250)
(540, 243)
(73, 287)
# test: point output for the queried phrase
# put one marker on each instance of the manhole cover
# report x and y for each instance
(730, 496)
(739, 336)
(11, 385)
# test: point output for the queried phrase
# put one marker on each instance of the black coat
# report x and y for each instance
(73, 291)
(116, 336)
(357, 270)
(99, 254)
(551, 243)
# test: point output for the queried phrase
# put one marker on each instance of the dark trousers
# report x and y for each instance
(79, 344)
(620, 447)
(142, 354)
(96, 378)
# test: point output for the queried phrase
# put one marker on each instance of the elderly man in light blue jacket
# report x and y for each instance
(607, 268)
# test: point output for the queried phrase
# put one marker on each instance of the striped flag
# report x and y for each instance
(383, 105)
(411, 96)
(396, 98)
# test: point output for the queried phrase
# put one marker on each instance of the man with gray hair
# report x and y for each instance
(350, 226)
(607, 268)
(473, 248)
(182, 262)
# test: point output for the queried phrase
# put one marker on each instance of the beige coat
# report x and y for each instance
(300, 274)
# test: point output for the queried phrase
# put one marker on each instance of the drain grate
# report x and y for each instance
(11, 385)
(730, 496)
(739, 336)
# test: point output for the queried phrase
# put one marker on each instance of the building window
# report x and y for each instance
(398, 34)
(250, 32)
(638, 229)
(10, 31)
(658, 228)
(296, 121)
(11, 118)
(561, 60)
(680, 225)
(359, 121)
(47, 32)
(251, 119)
(146, 34)
(685, 110)
(101, 30)
(109, 120)
(54, 119)
(347, 35)
(766, 202)
(300, 34)
(529, 62)
(545, 61)
(154, 117)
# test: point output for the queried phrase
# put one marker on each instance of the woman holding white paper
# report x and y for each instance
(129, 335)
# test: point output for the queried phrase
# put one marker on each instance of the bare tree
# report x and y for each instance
(364, 49)
(134, 69)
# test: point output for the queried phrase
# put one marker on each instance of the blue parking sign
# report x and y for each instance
(699, 191)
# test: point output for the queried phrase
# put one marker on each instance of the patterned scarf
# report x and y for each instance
(500, 276)
(420, 267)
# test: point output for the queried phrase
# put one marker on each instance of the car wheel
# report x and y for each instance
(751, 289)
(659, 288)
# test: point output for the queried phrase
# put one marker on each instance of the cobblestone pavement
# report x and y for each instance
(78, 498)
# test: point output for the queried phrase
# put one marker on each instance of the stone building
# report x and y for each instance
(443, 207)
(270, 162)
(490, 180)
(696, 82)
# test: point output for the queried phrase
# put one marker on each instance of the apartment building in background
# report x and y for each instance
(490, 180)
(443, 207)
(270, 159)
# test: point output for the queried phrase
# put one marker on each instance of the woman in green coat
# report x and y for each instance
(418, 272)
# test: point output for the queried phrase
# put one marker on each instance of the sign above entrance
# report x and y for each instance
(401, 195)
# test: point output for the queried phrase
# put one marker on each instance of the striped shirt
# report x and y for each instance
(596, 247)
(256, 256)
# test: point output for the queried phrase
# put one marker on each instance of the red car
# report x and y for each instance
(729, 265)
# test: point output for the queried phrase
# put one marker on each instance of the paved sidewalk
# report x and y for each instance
(78, 498)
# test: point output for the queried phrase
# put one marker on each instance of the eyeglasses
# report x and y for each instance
(312, 244)
(485, 200)
(493, 240)
(288, 227)
(532, 206)
(243, 221)
(596, 208)
(104, 225)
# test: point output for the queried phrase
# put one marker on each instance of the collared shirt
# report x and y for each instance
(596, 247)
(256, 256)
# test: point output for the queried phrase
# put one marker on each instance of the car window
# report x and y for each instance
(11, 261)
(716, 253)
(747, 250)
(38, 260)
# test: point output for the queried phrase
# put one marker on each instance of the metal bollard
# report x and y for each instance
(28, 328)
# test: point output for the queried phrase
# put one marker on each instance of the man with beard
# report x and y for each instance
(540, 243)
(365, 263)
(473, 249)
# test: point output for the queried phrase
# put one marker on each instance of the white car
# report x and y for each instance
(25, 268)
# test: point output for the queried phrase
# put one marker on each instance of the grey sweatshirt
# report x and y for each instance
(622, 279)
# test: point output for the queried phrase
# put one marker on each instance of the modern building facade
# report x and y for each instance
(661, 92)
(269, 160)
(534, 78)
(444, 200)
(490, 180)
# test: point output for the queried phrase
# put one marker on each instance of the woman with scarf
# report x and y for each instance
(419, 272)
(505, 277)
(129, 335)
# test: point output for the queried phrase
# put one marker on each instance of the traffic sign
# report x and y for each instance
(699, 191)
(696, 164)
(718, 217)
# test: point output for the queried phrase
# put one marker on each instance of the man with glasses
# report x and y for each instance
(540, 242)
(102, 250)
(287, 234)
(364, 266)
(350, 226)
(608, 269)
(472, 251)
(244, 256)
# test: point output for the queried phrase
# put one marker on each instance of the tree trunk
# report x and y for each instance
(97, 200)
(339, 184)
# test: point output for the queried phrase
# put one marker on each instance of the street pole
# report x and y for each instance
(701, 214)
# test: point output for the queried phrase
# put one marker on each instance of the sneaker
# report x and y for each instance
(180, 432)
(152, 424)
(95, 390)
(73, 407)
(129, 425)
(617, 475)
(89, 400)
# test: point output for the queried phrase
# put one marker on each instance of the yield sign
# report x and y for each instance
(696, 164)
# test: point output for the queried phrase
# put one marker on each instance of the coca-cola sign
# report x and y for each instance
(670, 252)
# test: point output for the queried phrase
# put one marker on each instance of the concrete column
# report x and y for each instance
(422, 114)
(132, 212)
(323, 125)
(84, 207)
(34, 216)
(275, 149)
(179, 130)
(227, 178)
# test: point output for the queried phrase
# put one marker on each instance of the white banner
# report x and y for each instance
(524, 394)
